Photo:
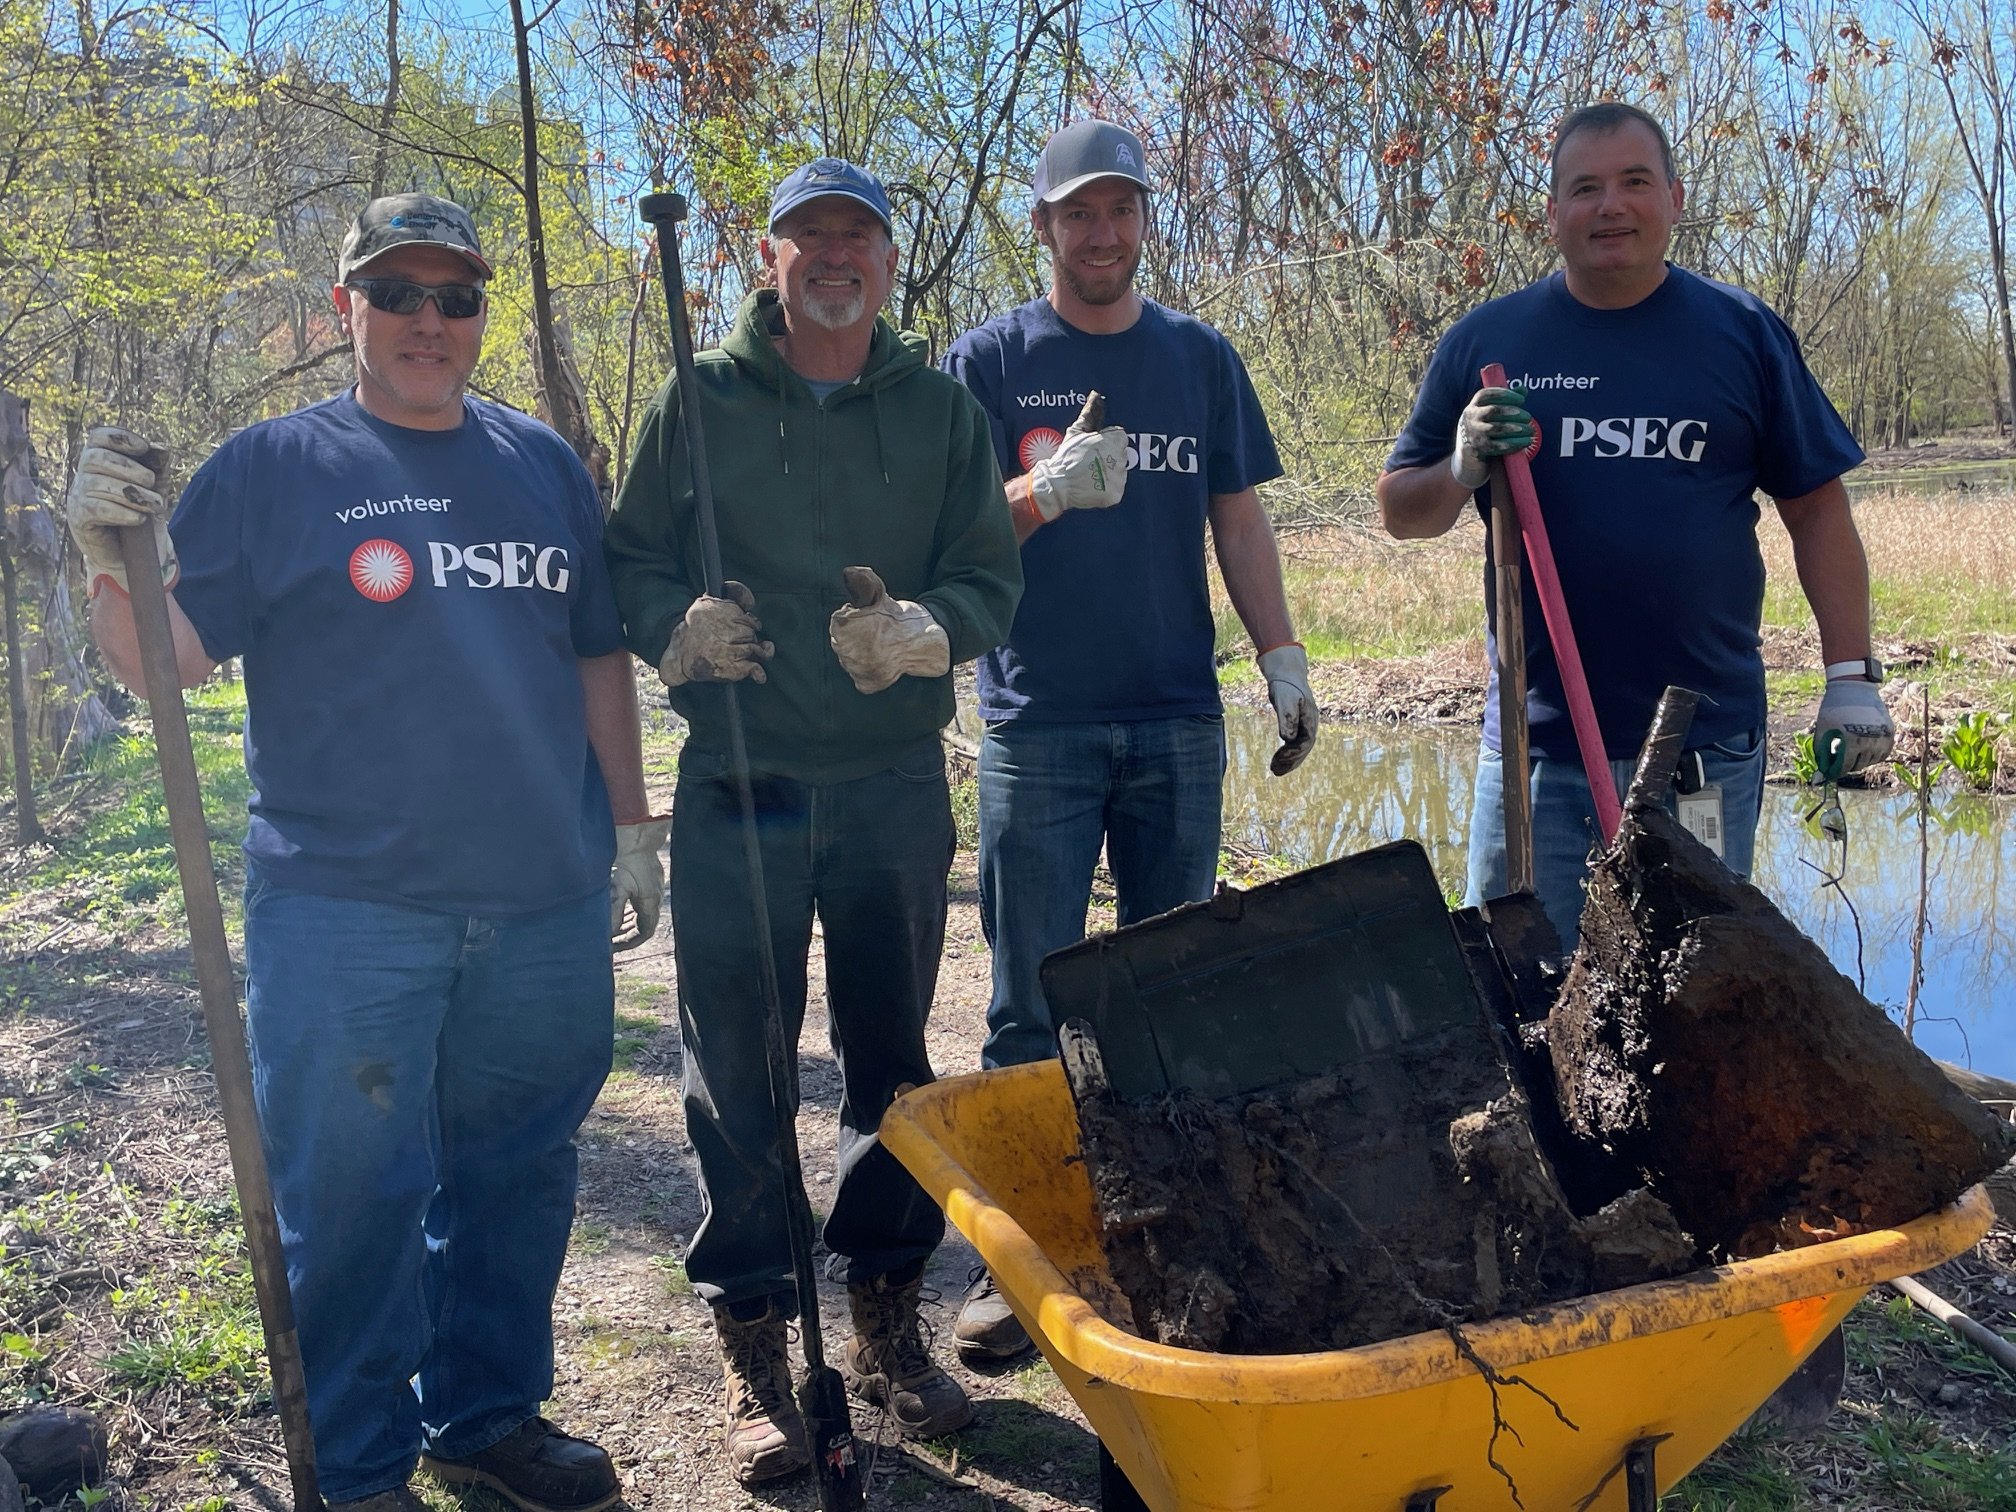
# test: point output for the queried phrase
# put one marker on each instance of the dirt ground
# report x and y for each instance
(122, 1286)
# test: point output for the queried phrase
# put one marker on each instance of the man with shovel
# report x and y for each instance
(866, 552)
(1104, 725)
(1653, 403)
(442, 736)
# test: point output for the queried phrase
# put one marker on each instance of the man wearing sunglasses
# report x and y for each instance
(441, 731)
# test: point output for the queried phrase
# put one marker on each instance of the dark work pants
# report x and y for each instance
(870, 858)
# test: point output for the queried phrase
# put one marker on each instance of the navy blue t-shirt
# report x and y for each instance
(411, 607)
(1657, 423)
(1115, 620)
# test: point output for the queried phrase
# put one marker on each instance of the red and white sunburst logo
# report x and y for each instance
(381, 570)
(1038, 444)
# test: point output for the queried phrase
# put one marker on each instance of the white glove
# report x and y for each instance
(1493, 424)
(636, 878)
(879, 639)
(716, 641)
(1087, 471)
(114, 489)
(1296, 716)
(1854, 706)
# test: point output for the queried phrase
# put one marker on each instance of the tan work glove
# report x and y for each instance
(114, 489)
(879, 639)
(717, 641)
(1296, 716)
(1087, 471)
(637, 879)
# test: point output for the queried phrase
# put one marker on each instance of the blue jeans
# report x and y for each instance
(1151, 790)
(419, 1078)
(869, 858)
(1564, 824)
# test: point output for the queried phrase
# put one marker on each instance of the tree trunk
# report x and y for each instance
(27, 827)
(546, 345)
(387, 112)
(63, 712)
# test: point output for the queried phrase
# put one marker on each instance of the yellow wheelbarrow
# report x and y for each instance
(1639, 1385)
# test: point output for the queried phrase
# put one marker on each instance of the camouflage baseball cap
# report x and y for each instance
(409, 220)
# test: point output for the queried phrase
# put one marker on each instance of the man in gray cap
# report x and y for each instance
(868, 552)
(442, 738)
(1104, 726)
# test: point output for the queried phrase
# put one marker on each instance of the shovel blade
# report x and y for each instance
(823, 1400)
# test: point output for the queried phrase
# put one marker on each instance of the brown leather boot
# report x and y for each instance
(887, 1364)
(766, 1435)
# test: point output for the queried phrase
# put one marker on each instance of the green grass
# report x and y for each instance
(634, 1032)
(120, 870)
(205, 1337)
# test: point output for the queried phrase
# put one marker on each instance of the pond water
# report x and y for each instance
(1368, 784)
(1960, 478)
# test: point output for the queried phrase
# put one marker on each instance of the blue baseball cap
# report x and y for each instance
(824, 176)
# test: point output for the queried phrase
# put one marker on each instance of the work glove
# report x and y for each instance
(1854, 706)
(115, 488)
(637, 878)
(879, 639)
(1493, 424)
(1087, 471)
(717, 641)
(1286, 669)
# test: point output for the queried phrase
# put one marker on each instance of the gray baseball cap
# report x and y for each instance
(1088, 150)
(409, 220)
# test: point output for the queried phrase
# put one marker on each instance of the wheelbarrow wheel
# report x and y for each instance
(1116, 1492)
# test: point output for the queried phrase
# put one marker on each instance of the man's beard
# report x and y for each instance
(833, 310)
(1113, 283)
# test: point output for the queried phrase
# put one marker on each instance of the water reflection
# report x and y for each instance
(1365, 785)
(1960, 478)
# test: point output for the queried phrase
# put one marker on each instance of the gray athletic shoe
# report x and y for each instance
(987, 1332)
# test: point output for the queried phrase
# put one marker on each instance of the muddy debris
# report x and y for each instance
(1401, 1189)
(1707, 1050)
(1326, 1112)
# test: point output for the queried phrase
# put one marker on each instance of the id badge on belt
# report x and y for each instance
(1700, 802)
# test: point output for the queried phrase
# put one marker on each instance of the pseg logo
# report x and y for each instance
(381, 570)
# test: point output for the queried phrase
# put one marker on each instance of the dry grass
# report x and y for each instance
(1943, 567)
(1944, 571)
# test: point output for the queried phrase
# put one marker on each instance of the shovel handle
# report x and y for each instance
(218, 989)
(1554, 608)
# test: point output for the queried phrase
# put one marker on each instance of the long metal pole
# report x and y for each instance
(218, 989)
(824, 1399)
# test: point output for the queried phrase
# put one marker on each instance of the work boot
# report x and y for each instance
(887, 1364)
(765, 1434)
(986, 1332)
(537, 1467)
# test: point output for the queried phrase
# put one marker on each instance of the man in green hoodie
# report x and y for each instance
(832, 446)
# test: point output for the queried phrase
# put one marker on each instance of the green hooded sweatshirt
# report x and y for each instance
(895, 471)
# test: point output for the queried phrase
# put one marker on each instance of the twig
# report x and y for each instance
(1924, 854)
(1833, 880)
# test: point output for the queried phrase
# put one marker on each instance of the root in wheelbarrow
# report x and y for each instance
(1703, 1047)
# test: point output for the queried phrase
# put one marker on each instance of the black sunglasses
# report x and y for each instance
(400, 296)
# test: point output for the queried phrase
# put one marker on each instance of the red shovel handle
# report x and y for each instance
(1547, 582)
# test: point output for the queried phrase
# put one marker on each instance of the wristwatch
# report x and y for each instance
(1861, 666)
